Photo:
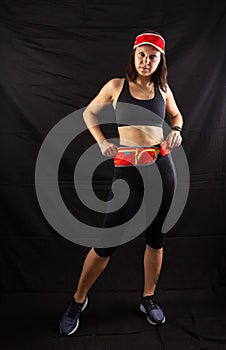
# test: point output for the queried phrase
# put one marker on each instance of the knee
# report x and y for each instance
(156, 245)
(104, 253)
(155, 242)
(154, 249)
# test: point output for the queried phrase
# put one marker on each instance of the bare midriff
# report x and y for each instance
(140, 135)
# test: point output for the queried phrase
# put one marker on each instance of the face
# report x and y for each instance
(146, 59)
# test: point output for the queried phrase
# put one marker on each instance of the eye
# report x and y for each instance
(153, 57)
(141, 54)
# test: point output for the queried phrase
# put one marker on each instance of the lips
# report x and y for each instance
(145, 68)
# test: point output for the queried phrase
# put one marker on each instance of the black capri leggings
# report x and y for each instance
(153, 233)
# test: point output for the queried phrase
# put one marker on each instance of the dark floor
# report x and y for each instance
(196, 320)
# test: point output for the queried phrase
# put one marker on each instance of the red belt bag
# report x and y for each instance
(128, 156)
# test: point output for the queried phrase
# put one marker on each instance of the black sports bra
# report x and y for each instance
(132, 111)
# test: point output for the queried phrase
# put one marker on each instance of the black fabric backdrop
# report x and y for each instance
(55, 56)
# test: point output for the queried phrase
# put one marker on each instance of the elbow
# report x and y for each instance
(89, 118)
(84, 114)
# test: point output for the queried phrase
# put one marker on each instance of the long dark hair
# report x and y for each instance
(159, 77)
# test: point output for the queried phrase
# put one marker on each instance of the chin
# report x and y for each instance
(147, 74)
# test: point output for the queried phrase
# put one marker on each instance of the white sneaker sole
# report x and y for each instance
(142, 308)
(77, 325)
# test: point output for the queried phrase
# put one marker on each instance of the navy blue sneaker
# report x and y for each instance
(70, 320)
(155, 315)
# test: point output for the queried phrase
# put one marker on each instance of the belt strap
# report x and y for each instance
(128, 156)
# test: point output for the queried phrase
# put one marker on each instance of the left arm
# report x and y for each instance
(174, 137)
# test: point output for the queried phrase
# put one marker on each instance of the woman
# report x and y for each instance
(145, 85)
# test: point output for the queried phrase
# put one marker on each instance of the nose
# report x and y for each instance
(147, 59)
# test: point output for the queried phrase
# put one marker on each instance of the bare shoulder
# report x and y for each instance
(115, 85)
(167, 93)
(108, 92)
(171, 105)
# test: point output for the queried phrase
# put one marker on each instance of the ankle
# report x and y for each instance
(148, 295)
(79, 298)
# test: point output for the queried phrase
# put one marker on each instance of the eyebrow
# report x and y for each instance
(151, 54)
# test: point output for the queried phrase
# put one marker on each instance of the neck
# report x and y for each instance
(143, 81)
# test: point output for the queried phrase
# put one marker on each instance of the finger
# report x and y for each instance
(178, 142)
(171, 142)
(111, 152)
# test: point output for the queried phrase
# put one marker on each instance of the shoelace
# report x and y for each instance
(75, 308)
(150, 304)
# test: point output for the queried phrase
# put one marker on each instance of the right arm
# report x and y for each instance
(104, 97)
